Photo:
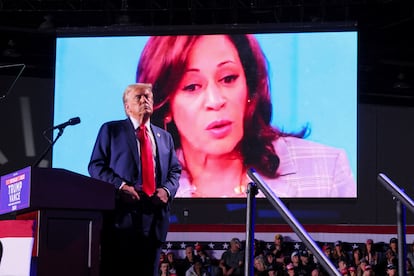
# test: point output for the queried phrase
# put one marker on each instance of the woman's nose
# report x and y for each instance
(214, 97)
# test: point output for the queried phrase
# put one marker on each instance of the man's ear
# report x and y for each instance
(126, 107)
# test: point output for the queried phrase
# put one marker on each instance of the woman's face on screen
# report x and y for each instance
(208, 105)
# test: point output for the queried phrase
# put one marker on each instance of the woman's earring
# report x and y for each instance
(167, 120)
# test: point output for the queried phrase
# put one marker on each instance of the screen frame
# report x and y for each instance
(220, 29)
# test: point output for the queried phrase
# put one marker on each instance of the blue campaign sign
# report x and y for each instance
(15, 190)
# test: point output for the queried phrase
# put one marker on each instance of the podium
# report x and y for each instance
(68, 211)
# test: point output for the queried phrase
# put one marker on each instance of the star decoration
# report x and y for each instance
(182, 245)
(225, 245)
(169, 245)
(296, 246)
(268, 246)
(211, 245)
(354, 246)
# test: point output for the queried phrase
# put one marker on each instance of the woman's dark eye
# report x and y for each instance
(230, 78)
(191, 87)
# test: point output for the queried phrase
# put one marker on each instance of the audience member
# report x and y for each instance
(368, 271)
(197, 268)
(391, 270)
(394, 245)
(306, 260)
(356, 257)
(343, 266)
(269, 259)
(370, 254)
(163, 257)
(352, 271)
(272, 265)
(290, 269)
(279, 249)
(295, 261)
(258, 248)
(205, 259)
(172, 263)
(327, 250)
(260, 266)
(339, 253)
(164, 269)
(232, 260)
(362, 266)
(389, 258)
(188, 260)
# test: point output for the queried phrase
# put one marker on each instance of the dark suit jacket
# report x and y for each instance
(115, 159)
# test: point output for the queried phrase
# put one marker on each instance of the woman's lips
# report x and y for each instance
(219, 129)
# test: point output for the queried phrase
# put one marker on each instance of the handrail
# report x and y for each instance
(293, 223)
(396, 191)
(403, 200)
(250, 222)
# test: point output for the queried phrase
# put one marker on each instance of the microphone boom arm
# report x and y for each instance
(61, 127)
(48, 148)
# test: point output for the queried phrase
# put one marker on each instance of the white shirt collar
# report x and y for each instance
(136, 123)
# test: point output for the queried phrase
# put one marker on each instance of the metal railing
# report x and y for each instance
(287, 216)
(402, 201)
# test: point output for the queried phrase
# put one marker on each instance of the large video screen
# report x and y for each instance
(283, 103)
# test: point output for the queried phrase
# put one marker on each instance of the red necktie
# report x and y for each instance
(147, 161)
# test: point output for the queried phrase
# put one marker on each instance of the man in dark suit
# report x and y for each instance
(135, 231)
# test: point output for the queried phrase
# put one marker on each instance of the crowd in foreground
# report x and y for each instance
(283, 259)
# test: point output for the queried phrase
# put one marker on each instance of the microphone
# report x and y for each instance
(70, 122)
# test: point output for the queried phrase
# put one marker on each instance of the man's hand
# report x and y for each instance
(162, 195)
(130, 190)
(230, 271)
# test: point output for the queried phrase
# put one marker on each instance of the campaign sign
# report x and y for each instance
(15, 191)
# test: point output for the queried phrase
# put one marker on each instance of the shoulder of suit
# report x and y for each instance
(116, 124)
(158, 129)
(294, 142)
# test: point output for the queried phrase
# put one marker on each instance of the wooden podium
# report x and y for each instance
(68, 210)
